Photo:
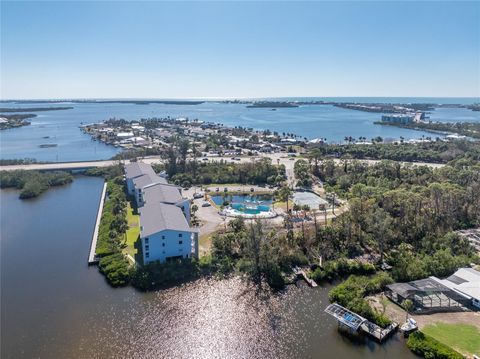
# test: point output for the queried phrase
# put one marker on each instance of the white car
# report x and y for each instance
(206, 204)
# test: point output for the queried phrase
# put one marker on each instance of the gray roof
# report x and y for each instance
(136, 169)
(148, 179)
(161, 193)
(157, 217)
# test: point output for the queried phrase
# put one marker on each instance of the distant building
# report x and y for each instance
(398, 118)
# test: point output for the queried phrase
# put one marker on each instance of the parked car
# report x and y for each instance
(206, 204)
(197, 195)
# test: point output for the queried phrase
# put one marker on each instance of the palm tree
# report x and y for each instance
(284, 193)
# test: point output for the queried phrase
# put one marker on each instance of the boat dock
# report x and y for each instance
(377, 332)
(355, 322)
(92, 259)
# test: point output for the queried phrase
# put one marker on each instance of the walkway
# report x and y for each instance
(92, 259)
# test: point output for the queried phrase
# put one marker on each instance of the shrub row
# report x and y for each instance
(428, 347)
(341, 268)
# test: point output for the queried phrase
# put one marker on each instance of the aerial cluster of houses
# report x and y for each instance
(153, 133)
(165, 231)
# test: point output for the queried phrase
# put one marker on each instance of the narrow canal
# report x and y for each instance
(54, 306)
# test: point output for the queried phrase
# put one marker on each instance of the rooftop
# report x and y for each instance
(161, 192)
(157, 217)
(148, 179)
(136, 169)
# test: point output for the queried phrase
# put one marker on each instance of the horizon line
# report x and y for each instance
(217, 98)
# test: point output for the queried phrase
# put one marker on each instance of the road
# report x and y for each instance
(277, 158)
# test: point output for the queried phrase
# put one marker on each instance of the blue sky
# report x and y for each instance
(239, 49)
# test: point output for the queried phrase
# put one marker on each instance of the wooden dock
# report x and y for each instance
(377, 332)
(92, 259)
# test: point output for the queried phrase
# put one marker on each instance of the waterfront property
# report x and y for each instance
(135, 170)
(355, 323)
(165, 231)
(465, 281)
(455, 293)
(168, 194)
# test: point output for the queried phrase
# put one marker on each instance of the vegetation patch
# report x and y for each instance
(111, 235)
(352, 292)
(33, 183)
(426, 346)
(463, 337)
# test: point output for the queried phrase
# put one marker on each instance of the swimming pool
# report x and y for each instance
(249, 209)
(246, 199)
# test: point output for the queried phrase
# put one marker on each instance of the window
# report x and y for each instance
(163, 237)
(180, 235)
(180, 242)
(146, 240)
(147, 247)
(147, 254)
(163, 244)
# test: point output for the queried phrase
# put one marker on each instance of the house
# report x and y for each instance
(165, 193)
(134, 170)
(465, 281)
(165, 233)
(460, 290)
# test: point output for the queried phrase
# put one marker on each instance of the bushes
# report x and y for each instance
(113, 225)
(260, 172)
(33, 183)
(351, 293)
(428, 347)
(158, 275)
(340, 268)
(108, 173)
(116, 269)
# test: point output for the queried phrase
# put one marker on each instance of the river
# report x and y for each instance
(311, 121)
(54, 306)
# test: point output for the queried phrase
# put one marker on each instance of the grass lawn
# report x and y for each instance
(133, 231)
(462, 337)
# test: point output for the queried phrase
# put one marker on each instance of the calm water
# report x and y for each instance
(62, 127)
(54, 306)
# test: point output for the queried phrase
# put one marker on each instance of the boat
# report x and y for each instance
(409, 326)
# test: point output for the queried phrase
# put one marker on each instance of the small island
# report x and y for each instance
(13, 121)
